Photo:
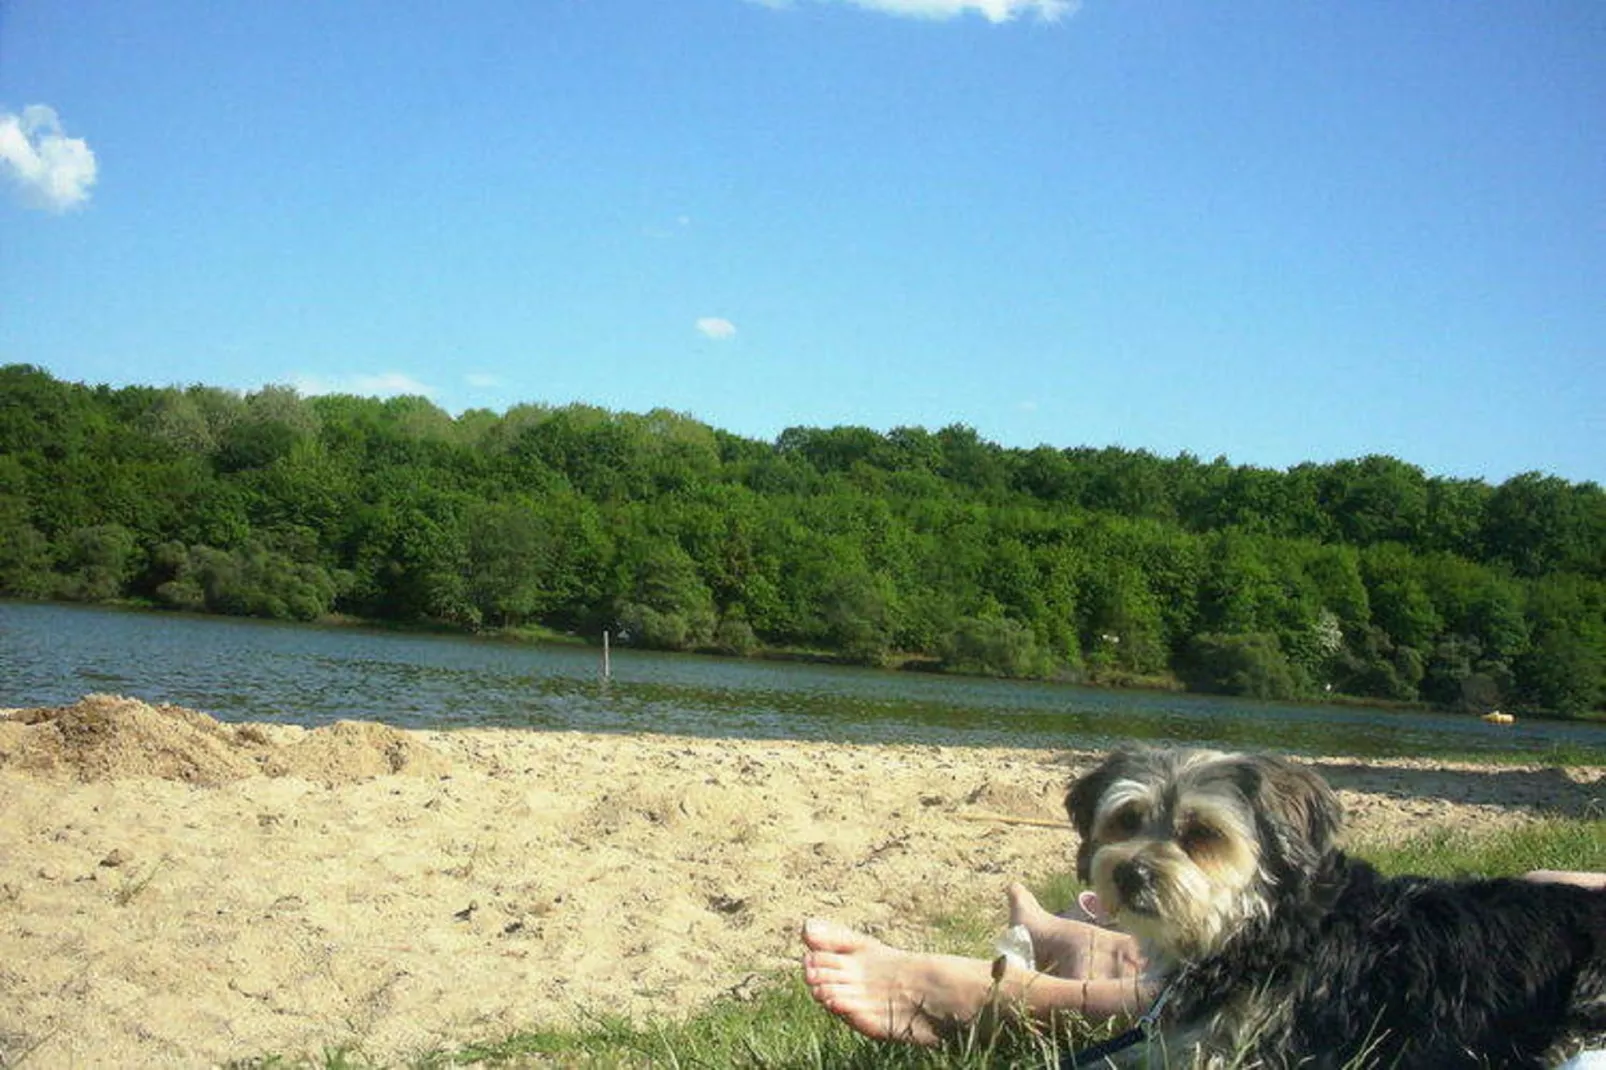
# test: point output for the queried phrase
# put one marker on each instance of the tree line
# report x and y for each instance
(1365, 577)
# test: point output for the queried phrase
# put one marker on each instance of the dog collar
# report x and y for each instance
(1140, 1031)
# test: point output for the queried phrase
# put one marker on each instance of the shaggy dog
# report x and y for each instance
(1275, 949)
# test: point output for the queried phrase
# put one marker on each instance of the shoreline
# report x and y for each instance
(182, 890)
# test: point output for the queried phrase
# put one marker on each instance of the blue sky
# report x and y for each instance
(1273, 231)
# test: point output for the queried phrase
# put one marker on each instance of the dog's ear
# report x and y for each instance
(1298, 812)
(1082, 804)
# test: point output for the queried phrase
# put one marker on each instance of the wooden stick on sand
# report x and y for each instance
(1011, 819)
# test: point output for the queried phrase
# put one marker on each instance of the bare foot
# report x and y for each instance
(889, 994)
(1066, 947)
(1568, 876)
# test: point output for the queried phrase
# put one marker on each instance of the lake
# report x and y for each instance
(242, 670)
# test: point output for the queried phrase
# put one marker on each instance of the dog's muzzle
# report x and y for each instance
(1134, 883)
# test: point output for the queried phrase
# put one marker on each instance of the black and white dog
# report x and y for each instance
(1280, 951)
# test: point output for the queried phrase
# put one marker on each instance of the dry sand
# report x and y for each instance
(176, 891)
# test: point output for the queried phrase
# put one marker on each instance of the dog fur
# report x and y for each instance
(1282, 951)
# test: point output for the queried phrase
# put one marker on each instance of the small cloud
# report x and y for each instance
(482, 381)
(383, 385)
(1027, 406)
(720, 330)
(991, 10)
(51, 171)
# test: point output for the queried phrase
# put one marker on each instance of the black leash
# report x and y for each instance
(1141, 1031)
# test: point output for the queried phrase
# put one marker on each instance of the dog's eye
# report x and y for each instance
(1123, 824)
(1197, 838)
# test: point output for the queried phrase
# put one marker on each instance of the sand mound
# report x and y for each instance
(102, 737)
(106, 737)
(349, 751)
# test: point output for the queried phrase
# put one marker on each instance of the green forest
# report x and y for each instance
(930, 549)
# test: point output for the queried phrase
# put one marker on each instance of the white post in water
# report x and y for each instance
(607, 669)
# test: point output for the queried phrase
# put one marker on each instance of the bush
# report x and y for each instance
(658, 629)
(1253, 665)
(670, 608)
(252, 582)
(856, 611)
(993, 646)
(1563, 672)
(99, 562)
(25, 563)
(735, 636)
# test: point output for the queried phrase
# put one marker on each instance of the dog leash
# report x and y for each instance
(1140, 1031)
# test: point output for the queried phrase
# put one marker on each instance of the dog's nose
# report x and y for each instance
(1132, 881)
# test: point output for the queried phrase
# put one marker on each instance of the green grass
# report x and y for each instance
(780, 1028)
(1551, 844)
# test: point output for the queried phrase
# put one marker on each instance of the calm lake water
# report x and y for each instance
(254, 670)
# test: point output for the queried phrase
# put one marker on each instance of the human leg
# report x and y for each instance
(890, 993)
(1068, 947)
(1581, 878)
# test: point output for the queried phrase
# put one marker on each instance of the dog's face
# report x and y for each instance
(1184, 846)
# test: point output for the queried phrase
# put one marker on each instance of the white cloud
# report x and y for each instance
(991, 10)
(715, 327)
(482, 380)
(50, 170)
(383, 385)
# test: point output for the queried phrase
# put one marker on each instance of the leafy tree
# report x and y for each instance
(994, 646)
(1455, 515)
(1251, 665)
(179, 419)
(1564, 669)
(857, 609)
(24, 553)
(252, 581)
(1374, 665)
(734, 636)
(1376, 499)
(1121, 623)
(1398, 595)
(254, 444)
(1334, 573)
(99, 561)
(911, 450)
(409, 561)
(509, 550)
(1241, 590)
(1056, 626)
(970, 461)
(1539, 524)
(1047, 475)
(1563, 672)
(1129, 483)
(666, 605)
(835, 449)
(1458, 675)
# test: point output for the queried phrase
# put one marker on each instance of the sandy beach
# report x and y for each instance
(178, 891)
